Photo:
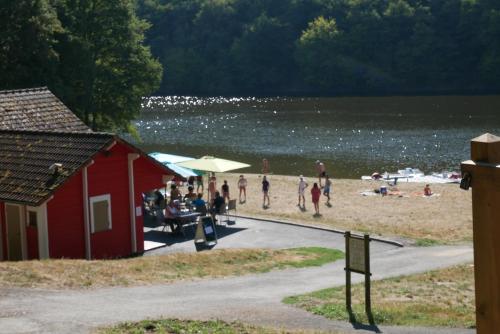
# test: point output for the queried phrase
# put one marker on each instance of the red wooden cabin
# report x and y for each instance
(72, 195)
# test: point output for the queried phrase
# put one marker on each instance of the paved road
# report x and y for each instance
(253, 299)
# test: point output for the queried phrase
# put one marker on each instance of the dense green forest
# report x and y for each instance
(325, 47)
(101, 56)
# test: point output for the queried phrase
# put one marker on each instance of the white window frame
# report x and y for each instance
(100, 198)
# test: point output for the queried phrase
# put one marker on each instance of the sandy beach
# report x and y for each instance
(446, 218)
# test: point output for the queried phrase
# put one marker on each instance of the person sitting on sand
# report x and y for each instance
(265, 190)
(427, 190)
(242, 185)
(302, 188)
(316, 193)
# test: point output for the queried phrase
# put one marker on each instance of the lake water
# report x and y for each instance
(354, 136)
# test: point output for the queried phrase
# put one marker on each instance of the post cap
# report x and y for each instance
(486, 148)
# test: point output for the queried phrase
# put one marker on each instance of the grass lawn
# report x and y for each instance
(441, 298)
(62, 274)
(191, 327)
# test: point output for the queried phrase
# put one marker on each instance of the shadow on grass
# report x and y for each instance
(358, 325)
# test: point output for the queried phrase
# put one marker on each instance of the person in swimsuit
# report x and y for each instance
(265, 166)
(265, 191)
(320, 168)
(242, 185)
(212, 188)
(302, 188)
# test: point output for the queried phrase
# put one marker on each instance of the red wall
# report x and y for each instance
(109, 175)
(4, 231)
(147, 176)
(65, 220)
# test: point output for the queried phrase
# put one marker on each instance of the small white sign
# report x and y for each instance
(138, 211)
(209, 230)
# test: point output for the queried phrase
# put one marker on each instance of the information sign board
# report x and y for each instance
(357, 254)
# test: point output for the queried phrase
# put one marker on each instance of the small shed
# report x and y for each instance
(72, 194)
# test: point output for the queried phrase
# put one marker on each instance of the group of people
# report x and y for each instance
(316, 188)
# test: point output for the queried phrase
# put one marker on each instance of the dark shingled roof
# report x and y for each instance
(25, 158)
(36, 109)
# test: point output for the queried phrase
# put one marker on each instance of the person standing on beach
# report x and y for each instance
(242, 185)
(265, 191)
(225, 191)
(302, 188)
(265, 166)
(199, 184)
(326, 190)
(320, 168)
(316, 193)
(212, 188)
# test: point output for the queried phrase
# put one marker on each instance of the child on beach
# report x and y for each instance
(316, 193)
(302, 188)
(427, 190)
(265, 191)
(326, 190)
(242, 185)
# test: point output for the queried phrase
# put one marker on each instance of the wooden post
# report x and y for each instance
(484, 171)
(347, 274)
(368, 298)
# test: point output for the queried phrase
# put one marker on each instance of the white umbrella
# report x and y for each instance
(212, 164)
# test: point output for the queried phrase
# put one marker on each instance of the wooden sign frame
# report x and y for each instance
(357, 260)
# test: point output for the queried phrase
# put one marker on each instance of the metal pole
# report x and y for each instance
(347, 274)
(368, 299)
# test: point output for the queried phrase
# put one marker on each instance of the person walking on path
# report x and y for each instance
(326, 190)
(265, 190)
(321, 170)
(199, 184)
(225, 191)
(302, 188)
(242, 185)
(316, 193)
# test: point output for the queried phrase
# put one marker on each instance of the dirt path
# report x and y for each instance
(253, 299)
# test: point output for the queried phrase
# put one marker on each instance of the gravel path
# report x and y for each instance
(253, 299)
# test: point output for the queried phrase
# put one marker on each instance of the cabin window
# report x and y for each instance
(100, 213)
(32, 219)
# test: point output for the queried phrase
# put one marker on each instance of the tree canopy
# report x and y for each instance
(90, 53)
(325, 47)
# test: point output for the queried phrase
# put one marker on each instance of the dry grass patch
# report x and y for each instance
(173, 326)
(436, 298)
(62, 274)
(445, 219)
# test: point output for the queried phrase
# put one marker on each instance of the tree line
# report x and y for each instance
(325, 47)
(102, 56)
